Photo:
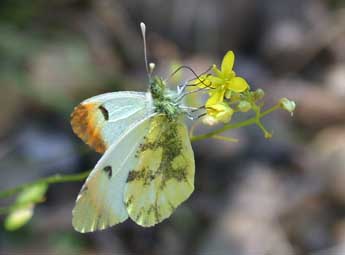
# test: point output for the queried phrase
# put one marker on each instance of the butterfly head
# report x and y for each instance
(163, 101)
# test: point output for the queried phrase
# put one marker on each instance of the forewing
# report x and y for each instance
(100, 120)
(100, 202)
(164, 175)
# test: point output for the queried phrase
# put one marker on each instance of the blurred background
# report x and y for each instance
(280, 196)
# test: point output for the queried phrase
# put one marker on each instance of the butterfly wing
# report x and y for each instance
(164, 175)
(100, 120)
(100, 202)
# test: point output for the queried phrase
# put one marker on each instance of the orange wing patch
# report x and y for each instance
(87, 121)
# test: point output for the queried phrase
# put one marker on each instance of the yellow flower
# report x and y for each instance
(220, 111)
(224, 82)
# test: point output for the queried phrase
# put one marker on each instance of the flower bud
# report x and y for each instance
(209, 120)
(244, 106)
(287, 105)
(228, 94)
(235, 97)
(220, 111)
(258, 94)
(268, 135)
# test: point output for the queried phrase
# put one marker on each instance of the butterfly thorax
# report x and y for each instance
(163, 99)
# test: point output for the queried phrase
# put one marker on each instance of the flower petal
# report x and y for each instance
(225, 116)
(228, 62)
(217, 71)
(215, 81)
(216, 97)
(221, 112)
(209, 120)
(237, 84)
(244, 106)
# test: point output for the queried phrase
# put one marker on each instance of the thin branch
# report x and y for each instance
(225, 138)
(247, 122)
(57, 178)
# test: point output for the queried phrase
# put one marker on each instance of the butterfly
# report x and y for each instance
(147, 167)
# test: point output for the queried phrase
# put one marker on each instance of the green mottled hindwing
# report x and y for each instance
(164, 175)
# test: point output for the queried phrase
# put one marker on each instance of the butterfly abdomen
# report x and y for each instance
(86, 121)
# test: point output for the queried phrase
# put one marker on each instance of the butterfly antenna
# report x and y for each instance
(149, 68)
(182, 87)
(184, 67)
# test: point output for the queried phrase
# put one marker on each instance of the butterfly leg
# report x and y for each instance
(181, 88)
(192, 112)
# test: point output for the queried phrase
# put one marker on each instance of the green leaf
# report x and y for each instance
(34, 193)
(19, 218)
(23, 208)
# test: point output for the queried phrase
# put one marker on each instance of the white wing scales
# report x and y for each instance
(100, 202)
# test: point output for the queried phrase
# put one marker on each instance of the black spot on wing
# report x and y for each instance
(108, 170)
(104, 112)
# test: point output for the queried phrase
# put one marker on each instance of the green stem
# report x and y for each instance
(247, 122)
(57, 178)
(257, 110)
